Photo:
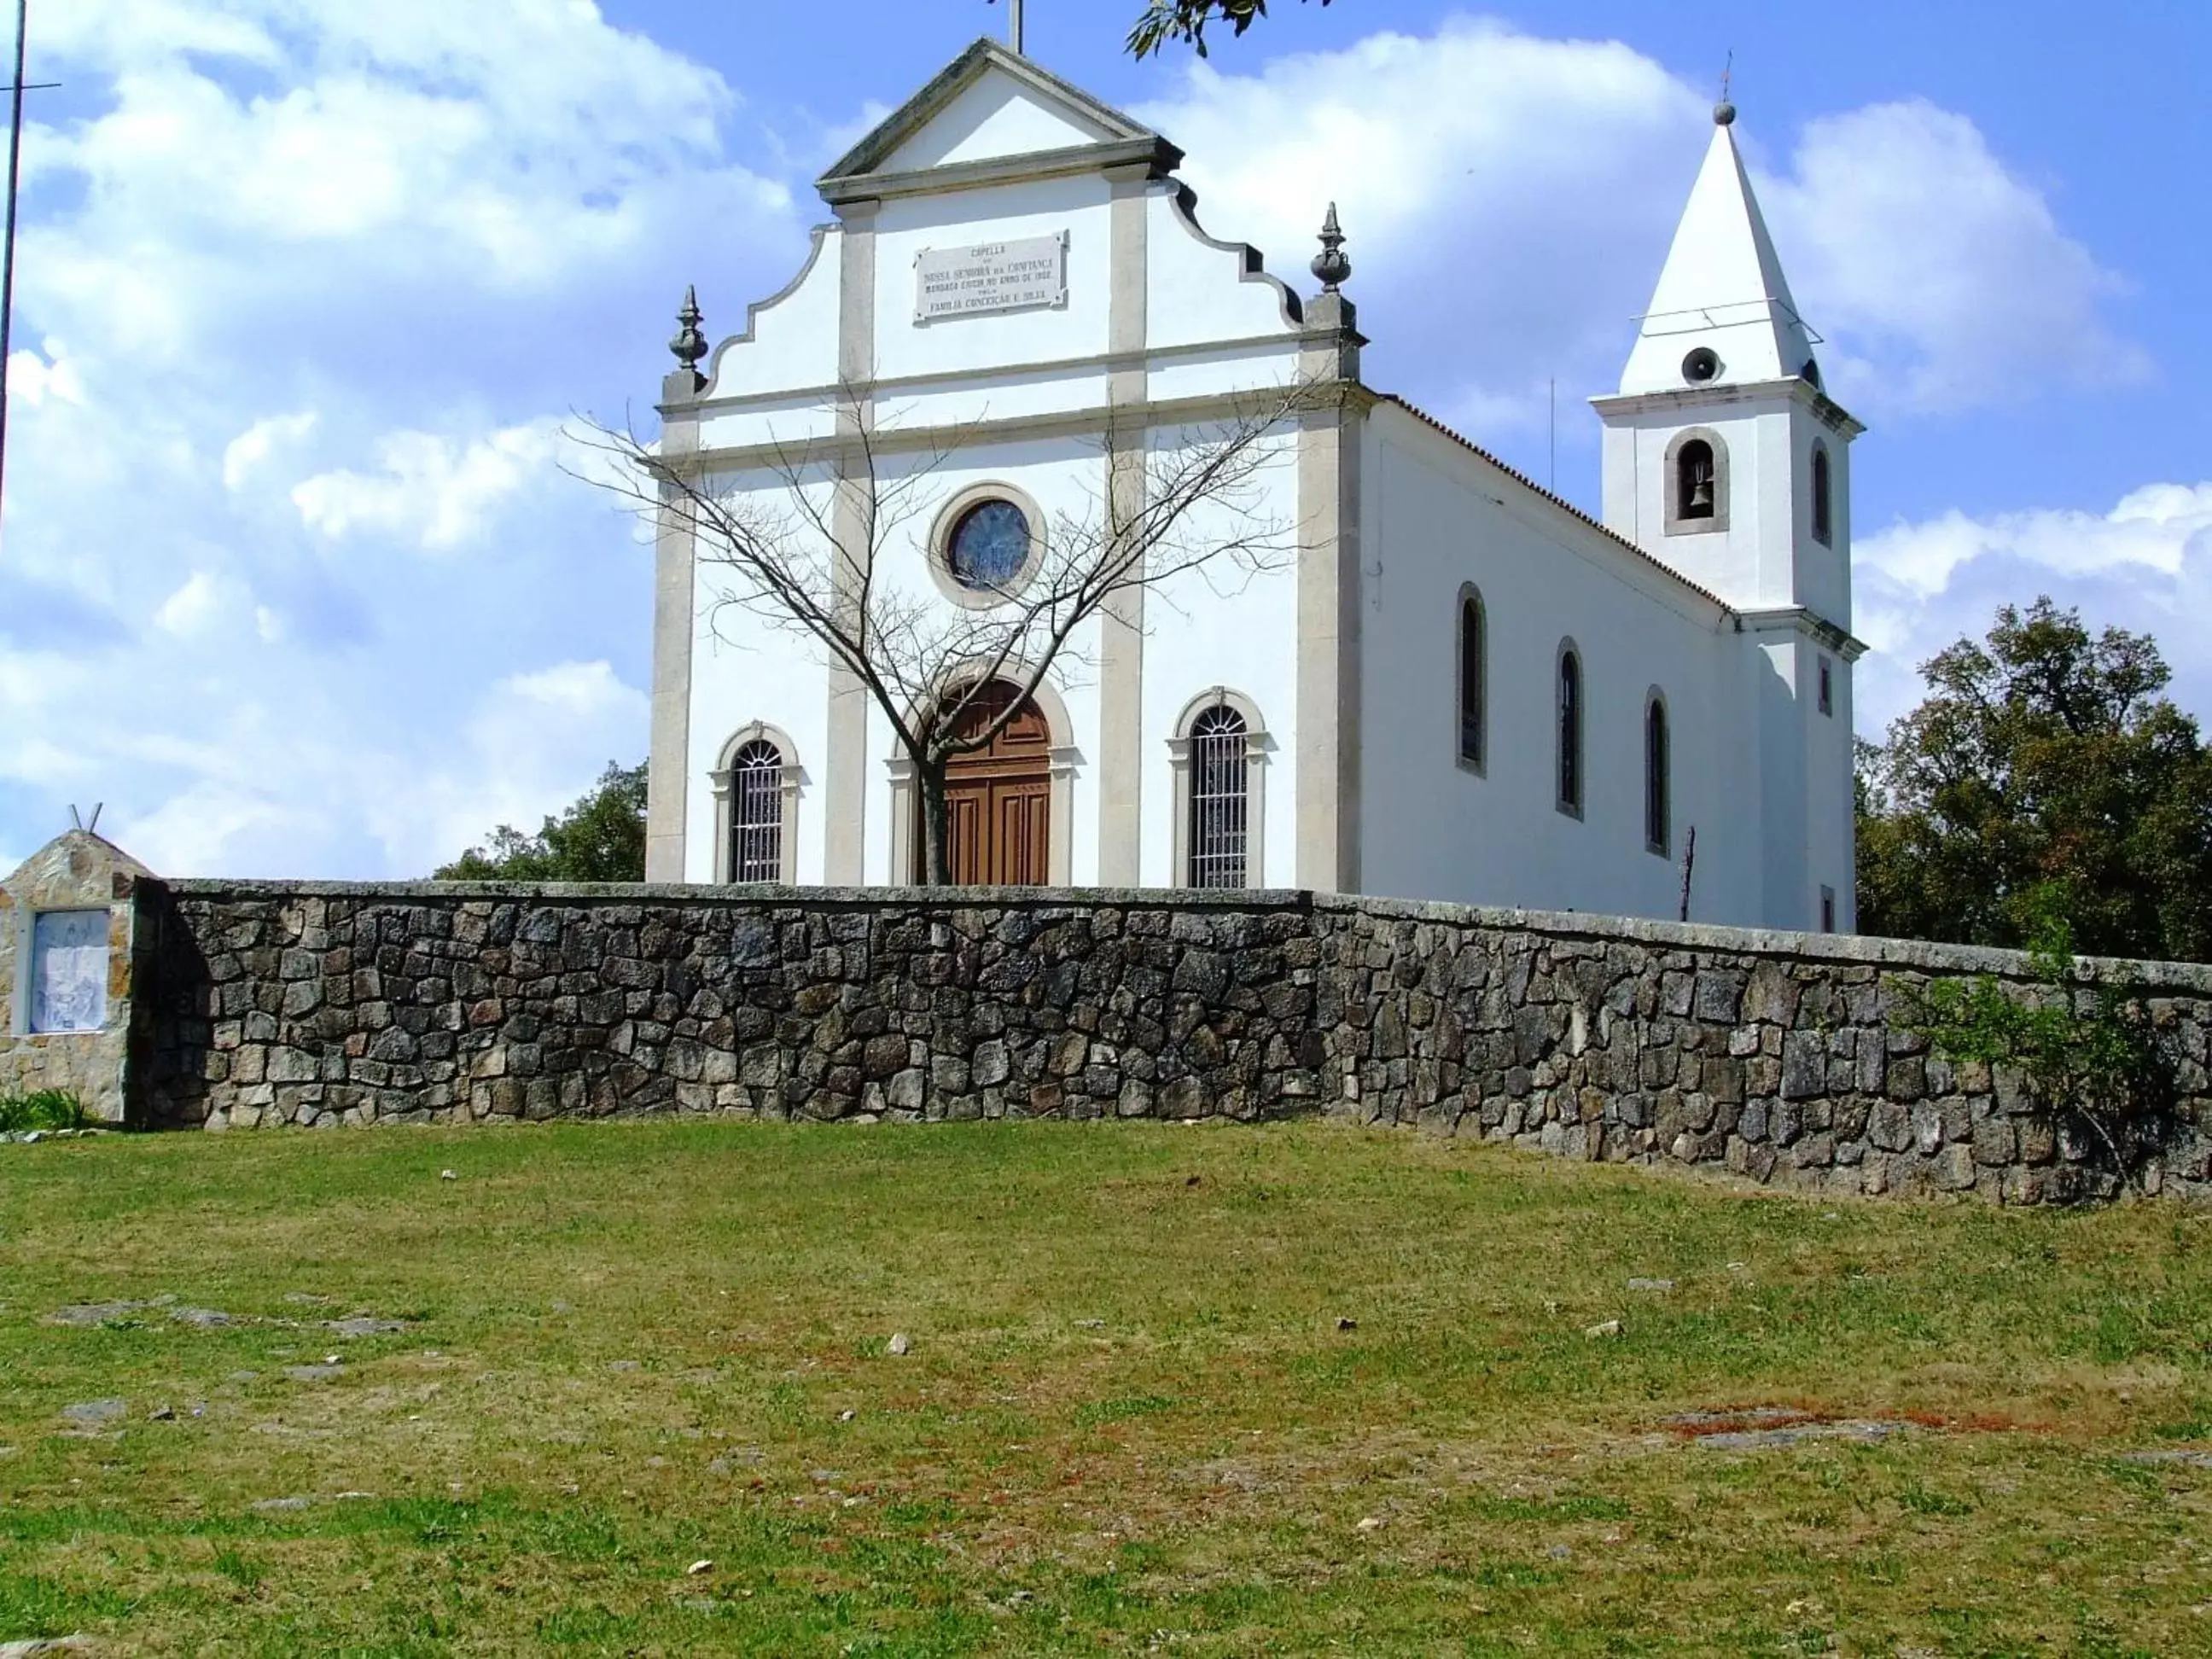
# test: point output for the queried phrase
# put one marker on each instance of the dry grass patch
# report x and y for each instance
(1206, 1391)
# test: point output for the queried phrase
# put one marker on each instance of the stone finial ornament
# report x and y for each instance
(689, 345)
(1331, 265)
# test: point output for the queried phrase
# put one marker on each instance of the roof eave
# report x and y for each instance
(1831, 413)
(1150, 151)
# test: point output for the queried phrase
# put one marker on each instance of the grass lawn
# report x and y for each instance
(1189, 1390)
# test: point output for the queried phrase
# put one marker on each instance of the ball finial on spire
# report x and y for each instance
(1331, 265)
(689, 345)
(1723, 113)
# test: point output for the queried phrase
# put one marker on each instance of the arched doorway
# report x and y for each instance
(999, 799)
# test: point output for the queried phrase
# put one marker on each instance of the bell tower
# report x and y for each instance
(1727, 461)
(1724, 456)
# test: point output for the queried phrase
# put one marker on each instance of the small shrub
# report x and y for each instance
(2084, 1050)
(42, 1108)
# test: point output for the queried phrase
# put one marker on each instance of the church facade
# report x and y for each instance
(1457, 686)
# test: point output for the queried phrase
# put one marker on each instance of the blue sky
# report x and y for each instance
(295, 577)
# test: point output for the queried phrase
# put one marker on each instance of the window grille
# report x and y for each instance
(1656, 808)
(1570, 733)
(1472, 650)
(757, 813)
(1219, 801)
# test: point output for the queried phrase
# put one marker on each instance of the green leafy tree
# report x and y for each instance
(2046, 754)
(600, 838)
(1164, 21)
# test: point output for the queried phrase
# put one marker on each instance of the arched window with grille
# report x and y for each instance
(1823, 511)
(1217, 799)
(1658, 783)
(757, 813)
(1570, 717)
(756, 784)
(1219, 754)
(1473, 681)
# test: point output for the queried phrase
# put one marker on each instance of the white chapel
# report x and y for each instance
(1457, 686)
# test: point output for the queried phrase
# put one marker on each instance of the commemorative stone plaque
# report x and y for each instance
(1026, 274)
(69, 971)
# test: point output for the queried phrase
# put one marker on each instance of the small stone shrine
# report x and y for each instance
(70, 951)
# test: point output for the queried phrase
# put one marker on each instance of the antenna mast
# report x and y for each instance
(16, 90)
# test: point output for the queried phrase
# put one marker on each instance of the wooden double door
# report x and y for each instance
(999, 799)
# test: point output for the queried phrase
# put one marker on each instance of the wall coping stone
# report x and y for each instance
(1854, 949)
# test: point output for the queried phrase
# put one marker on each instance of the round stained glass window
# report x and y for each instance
(989, 546)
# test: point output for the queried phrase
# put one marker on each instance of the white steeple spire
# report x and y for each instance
(1722, 290)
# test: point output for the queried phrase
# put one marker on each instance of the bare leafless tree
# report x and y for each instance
(809, 554)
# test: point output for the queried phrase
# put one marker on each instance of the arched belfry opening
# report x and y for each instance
(1697, 481)
(1693, 480)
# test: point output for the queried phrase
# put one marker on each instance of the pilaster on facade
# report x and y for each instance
(674, 622)
(1329, 442)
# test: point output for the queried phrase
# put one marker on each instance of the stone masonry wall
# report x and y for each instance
(1766, 1054)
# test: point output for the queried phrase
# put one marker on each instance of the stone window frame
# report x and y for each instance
(1824, 496)
(1567, 738)
(1061, 760)
(956, 508)
(793, 779)
(1659, 777)
(1678, 525)
(1479, 762)
(1257, 746)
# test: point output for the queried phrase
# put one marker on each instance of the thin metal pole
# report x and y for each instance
(8, 255)
(1013, 28)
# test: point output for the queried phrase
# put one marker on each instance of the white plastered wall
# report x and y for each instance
(1435, 516)
(1233, 626)
(744, 670)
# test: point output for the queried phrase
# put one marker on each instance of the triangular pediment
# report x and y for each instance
(990, 112)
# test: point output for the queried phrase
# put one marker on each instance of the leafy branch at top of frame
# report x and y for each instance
(1164, 21)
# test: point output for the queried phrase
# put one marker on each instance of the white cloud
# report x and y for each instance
(570, 687)
(321, 269)
(1943, 276)
(244, 455)
(191, 608)
(434, 491)
(2146, 565)
(1510, 200)
(1496, 188)
(32, 379)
